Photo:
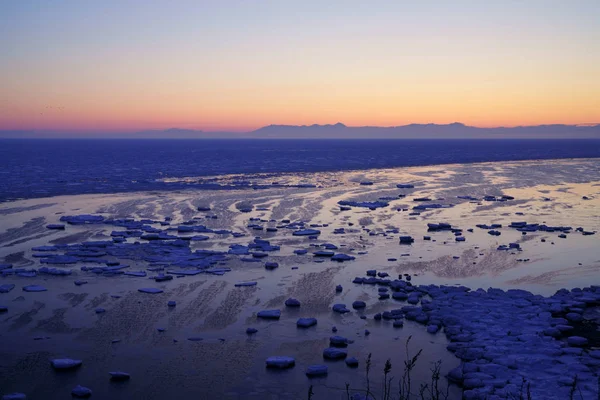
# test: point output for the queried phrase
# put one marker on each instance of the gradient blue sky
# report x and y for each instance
(238, 65)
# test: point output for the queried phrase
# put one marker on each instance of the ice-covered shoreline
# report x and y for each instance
(182, 276)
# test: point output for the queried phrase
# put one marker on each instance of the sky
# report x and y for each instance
(92, 66)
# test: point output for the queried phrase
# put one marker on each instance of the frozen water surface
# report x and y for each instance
(121, 242)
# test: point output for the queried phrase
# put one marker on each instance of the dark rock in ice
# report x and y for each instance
(269, 314)
(239, 284)
(56, 227)
(307, 232)
(352, 362)
(306, 322)
(334, 353)
(366, 204)
(6, 287)
(398, 323)
(100, 310)
(406, 240)
(371, 272)
(34, 288)
(5, 266)
(340, 308)
(163, 278)
(119, 376)
(150, 290)
(460, 239)
(300, 251)
(139, 274)
(342, 257)
(3, 309)
(323, 253)
(65, 363)
(292, 302)
(251, 331)
(82, 219)
(271, 265)
(358, 304)
(339, 288)
(405, 186)
(199, 238)
(366, 183)
(316, 370)
(81, 392)
(203, 208)
(195, 339)
(280, 362)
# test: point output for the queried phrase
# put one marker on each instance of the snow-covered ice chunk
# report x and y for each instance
(34, 288)
(316, 370)
(65, 363)
(340, 308)
(6, 287)
(306, 322)
(239, 284)
(334, 353)
(280, 362)
(292, 302)
(81, 392)
(269, 314)
(352, 362)
(150, 290)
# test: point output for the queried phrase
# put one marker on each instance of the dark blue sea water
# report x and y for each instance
(40, 168)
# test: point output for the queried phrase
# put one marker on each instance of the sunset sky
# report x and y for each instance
(127, 65)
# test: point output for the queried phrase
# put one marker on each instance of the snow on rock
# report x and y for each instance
(507, 337)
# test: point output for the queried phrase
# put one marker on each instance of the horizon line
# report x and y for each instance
(314, 125)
